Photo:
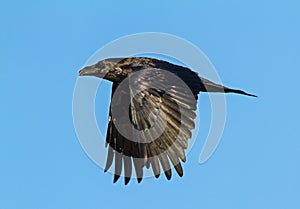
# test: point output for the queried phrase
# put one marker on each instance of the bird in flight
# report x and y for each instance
(152, 112)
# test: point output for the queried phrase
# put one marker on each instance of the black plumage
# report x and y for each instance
(157, 100)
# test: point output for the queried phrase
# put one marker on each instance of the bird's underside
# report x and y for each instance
(152, 113)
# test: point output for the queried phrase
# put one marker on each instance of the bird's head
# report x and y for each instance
(109, 69)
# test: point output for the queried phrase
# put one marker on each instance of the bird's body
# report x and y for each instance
(152, 113)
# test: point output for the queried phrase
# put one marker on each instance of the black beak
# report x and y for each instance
(87, 71)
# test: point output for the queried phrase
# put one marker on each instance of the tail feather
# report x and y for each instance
(236, 91)
(213, 87)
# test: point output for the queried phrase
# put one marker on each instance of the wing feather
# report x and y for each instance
(118, 166)
(164, 111)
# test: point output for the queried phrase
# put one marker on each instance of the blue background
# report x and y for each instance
(254, 45)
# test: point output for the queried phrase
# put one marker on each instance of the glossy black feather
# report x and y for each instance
(161, 106)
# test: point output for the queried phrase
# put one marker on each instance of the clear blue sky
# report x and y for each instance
(254, 45)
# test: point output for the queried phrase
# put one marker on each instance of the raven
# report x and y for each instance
(152, 112)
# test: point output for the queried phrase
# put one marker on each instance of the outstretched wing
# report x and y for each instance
(150, 121)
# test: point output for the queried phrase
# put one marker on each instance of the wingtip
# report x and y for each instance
(116, 177)
(127, 179)
(179, 169)
(168, 174)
